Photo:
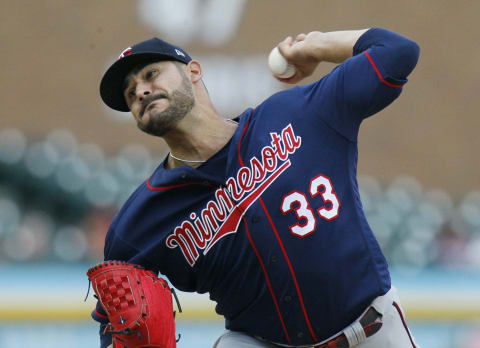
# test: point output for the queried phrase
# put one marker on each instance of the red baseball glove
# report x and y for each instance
(138, 305)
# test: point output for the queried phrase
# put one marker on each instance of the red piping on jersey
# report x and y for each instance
(378, 72)
(100, 315)
(240, 143)
(267, 279)
(397, 307)
(161, 188)
(300, 298)
(312, 333)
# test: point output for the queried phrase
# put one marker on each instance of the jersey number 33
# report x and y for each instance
(297, 202)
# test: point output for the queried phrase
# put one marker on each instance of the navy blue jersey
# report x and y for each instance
(272, 226)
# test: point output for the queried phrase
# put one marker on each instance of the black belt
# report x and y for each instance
(371, 323)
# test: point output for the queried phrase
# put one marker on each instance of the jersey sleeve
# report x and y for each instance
(99, 315)
(365, 83)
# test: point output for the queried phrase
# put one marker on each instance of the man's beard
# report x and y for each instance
(181, 101)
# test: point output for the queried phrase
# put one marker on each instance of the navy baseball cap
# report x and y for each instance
(143, 53)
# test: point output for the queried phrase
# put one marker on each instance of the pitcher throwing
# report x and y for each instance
(263, 211)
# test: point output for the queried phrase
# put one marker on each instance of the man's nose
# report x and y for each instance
(143, 91)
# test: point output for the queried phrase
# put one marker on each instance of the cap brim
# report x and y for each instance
(111, 86)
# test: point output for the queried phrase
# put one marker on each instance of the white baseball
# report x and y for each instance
(279, 66)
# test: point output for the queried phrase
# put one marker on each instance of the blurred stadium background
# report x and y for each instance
(67, 163)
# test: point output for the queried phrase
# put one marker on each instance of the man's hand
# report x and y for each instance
(308, 50)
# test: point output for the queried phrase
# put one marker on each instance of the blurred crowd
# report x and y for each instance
(58, 196)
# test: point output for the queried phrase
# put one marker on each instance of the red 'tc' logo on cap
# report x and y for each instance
(125, 52)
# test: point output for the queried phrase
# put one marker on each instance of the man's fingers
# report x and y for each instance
(288, 40)
(284, 46)
(300, 37)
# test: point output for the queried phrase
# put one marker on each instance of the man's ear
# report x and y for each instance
(195, 71)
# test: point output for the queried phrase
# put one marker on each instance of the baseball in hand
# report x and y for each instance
(279, 66)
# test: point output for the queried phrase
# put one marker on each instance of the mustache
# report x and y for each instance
(150, 98)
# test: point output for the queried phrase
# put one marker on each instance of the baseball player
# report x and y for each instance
(263, 211)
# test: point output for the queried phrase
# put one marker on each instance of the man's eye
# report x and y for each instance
(150, 74)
